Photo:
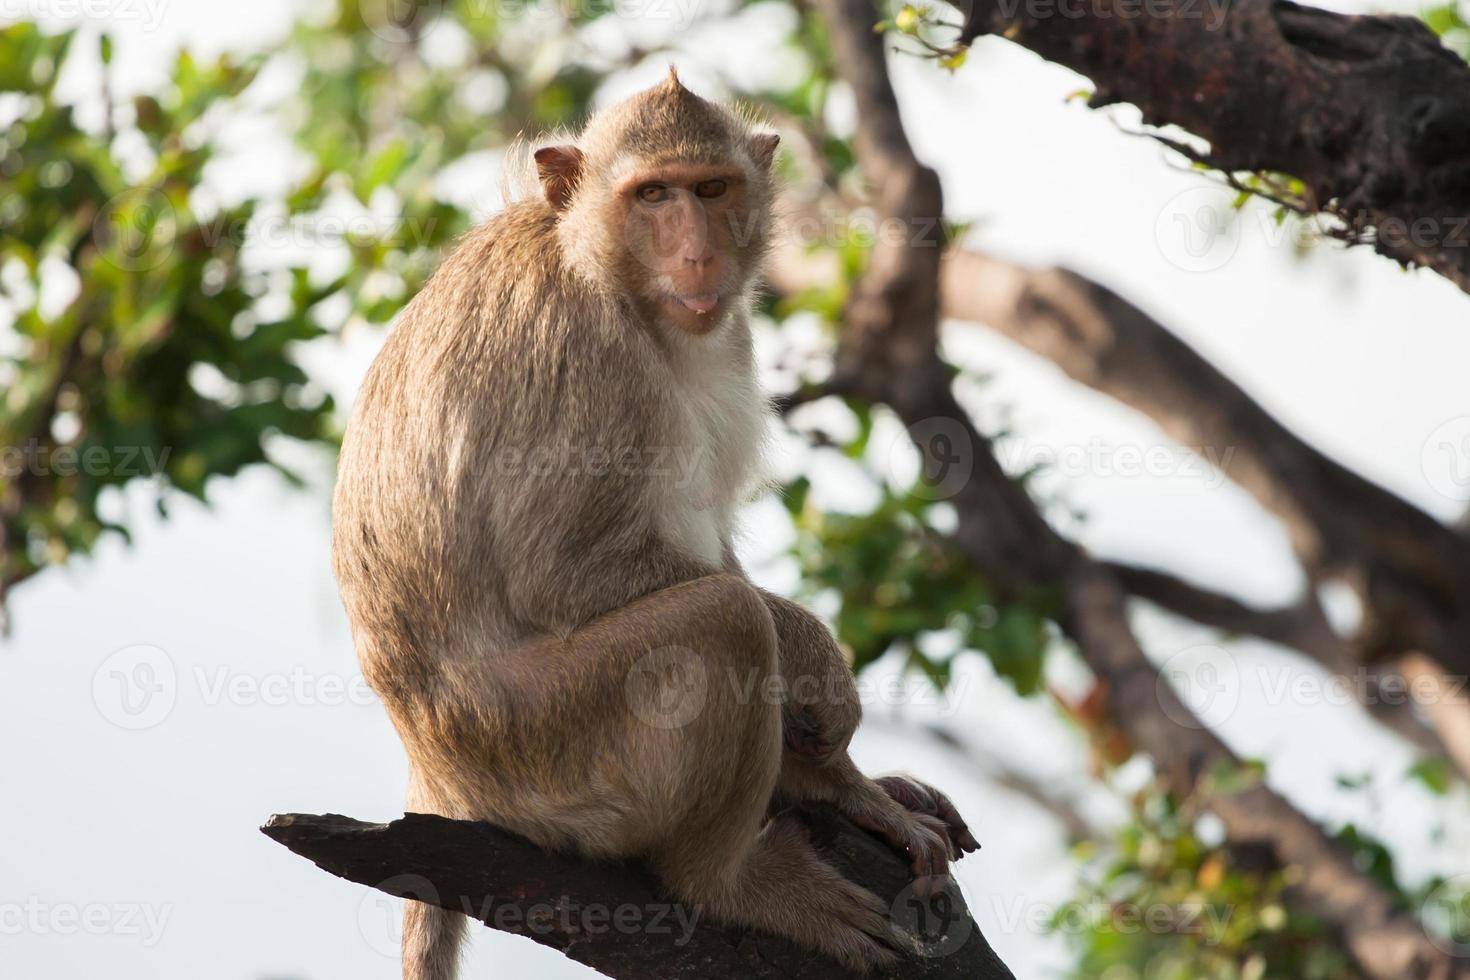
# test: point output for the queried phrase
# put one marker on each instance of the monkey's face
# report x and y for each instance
(691, 237)
(667, 198)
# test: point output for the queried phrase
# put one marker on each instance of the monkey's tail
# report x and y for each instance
(432, 937)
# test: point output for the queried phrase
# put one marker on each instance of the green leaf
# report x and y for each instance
(1435, 774)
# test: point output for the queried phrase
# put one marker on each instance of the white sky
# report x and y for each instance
(149, 834)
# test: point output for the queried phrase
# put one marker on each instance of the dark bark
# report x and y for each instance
(1369, 112)
(576, 907)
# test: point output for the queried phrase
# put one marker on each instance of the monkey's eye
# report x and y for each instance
(653, 193)
(709, 188)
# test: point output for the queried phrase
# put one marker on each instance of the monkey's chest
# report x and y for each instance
(713, 460)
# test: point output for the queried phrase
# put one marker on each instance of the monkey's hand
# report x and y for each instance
(921, 798)
(916, 819)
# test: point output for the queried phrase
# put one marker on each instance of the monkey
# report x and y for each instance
(528, 577)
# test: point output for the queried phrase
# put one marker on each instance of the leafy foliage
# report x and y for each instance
(900, 583)
(1163, 904)
(160, 358)
(1448, 21)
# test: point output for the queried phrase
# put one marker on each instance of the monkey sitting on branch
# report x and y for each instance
(532, 534)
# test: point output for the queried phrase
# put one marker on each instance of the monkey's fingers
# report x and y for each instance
(921, 798)
(930, 850)
(908, 793)
(903, 835)
(959, 831)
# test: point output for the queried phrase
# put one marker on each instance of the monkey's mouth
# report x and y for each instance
(700, 303)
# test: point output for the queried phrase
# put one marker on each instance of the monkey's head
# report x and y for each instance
(667, 197)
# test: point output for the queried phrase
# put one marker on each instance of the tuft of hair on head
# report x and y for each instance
(659, 122)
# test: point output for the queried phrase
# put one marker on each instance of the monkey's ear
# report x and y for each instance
(763, 148)
(558, 167)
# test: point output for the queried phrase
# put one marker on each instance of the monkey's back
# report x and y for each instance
(478, 495)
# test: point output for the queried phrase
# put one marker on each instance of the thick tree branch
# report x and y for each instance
(888, 355)
(613, 916)
(1340, 524)
(1302, 626)
(1369, 112)
(1392, 692)
(1412, 571)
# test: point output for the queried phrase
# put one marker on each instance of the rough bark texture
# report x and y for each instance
(575, 907)
(1368, 111)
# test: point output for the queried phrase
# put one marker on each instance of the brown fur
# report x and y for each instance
(500, 603)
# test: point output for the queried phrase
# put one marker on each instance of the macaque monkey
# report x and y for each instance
(533, 525)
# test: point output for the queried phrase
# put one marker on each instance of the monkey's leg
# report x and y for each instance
(647, 731)
(717, 854)
(822, 707)
(822, 712)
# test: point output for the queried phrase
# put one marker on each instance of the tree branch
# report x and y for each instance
(1301, 626)
(1412, 572)
(1369, 112)
(1388, 691)
(612, 916)
(1102, 340)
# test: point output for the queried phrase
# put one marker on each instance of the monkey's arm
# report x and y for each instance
(822, 704)
(822, 708)
(820, 715)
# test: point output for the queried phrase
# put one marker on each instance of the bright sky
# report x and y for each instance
(129, 820)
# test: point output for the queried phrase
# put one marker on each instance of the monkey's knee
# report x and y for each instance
(732, 631)
(713, 711)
